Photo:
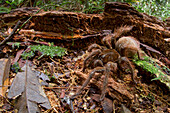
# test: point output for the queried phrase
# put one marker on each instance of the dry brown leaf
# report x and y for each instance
(107, 105)
(17, 56)
(4, 74)
(125, 109)
(30, 94)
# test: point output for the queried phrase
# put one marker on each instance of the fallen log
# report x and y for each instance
(147, 29)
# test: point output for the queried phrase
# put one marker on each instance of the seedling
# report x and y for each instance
(15, 67)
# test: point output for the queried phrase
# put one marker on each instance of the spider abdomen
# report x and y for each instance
(127, 46)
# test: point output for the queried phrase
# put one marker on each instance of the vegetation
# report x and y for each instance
(15, 67)
(45, 51)
(158, 8)
(151, 66)
(61, 77)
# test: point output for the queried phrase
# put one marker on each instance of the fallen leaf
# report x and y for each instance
(4, 74)
(107, 105)
(124, 109)
(42, 76)
(30, 94)
(17, 56)
(95, 97)
(62, 93)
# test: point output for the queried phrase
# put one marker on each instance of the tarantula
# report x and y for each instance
(103, 60)
(127, 45)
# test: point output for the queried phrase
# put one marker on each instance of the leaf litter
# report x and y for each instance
(65, 77)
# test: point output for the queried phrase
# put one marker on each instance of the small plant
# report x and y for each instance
(4, 9)
(13, 4)
(26, 55)
(45, 51)
(16, 44)
(94, 6)
(15, 67)
(158, 8)
(150, 65)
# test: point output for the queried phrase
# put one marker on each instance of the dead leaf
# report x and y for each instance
(107, 105)
(4, 74)
(17, 56)
(30, 94)
(118, 87)
(124, 109)
(62, 93)
(95, 97)
(42, 76)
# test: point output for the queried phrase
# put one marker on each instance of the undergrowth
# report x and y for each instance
(45, 51)
(158, 8)
(152, 66)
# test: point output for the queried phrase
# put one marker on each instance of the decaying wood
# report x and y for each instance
(12, 33)
(167, 21)
(10, 19)
(147, 29)
(115, 89)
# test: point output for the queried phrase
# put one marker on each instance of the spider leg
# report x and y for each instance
(138, 51)
(107, 40)
(125, 59)
(91, 55)
(110, 66)
(98, 63)
(140, 55)
(97, 69)
(105, 83)
(94, 46)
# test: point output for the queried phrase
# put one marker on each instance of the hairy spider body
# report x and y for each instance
(99, 57)
(104, 60)
(128, 46)
(110, 39)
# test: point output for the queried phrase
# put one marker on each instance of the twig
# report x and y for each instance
(71, 105)
(5, 85)
(60, 87)
(12, 33)
(167, 39)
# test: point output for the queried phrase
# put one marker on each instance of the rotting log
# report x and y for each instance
(147, 29)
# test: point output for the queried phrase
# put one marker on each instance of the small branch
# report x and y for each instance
(167, 40)
(76, 87)
(12, 33)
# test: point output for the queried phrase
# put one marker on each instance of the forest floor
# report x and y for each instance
(61, 75)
